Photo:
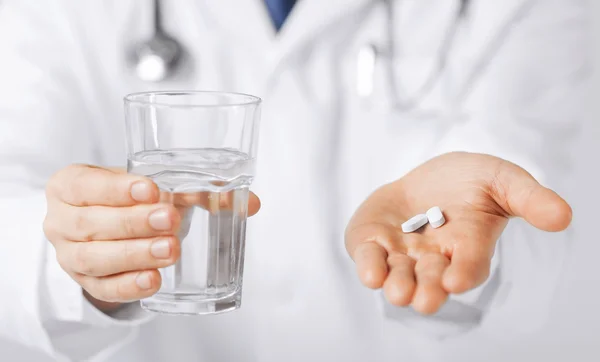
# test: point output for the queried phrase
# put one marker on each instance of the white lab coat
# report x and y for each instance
(513, 87)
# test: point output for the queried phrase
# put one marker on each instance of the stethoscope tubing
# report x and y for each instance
(389, 54)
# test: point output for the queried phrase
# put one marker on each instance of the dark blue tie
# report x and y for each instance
(279, 11)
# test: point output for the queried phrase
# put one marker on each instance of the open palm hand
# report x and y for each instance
(478, 194)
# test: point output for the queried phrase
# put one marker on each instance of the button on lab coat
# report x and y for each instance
(512, 86)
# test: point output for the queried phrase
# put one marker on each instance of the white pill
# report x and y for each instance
(414, 223)
(435, 217)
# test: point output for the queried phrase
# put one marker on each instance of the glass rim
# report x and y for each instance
(132, 98)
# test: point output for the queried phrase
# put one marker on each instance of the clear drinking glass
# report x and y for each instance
(200, 149)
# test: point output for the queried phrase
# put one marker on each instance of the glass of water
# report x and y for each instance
(200, 149)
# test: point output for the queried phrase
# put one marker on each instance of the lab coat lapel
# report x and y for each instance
(310, 18)
(489, 25)
(248, 22)
(421, 25)
(489, 20)
(421, 31)
(243, 22)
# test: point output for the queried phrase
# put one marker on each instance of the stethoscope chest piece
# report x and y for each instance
(158, 58)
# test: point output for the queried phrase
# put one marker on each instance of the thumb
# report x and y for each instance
(521, 195)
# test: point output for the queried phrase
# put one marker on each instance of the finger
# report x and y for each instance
(106, 307)
(399, 286)
(110, 223)
(253, 204)
(469, 266)
(215, 201)
(429, 295)
(102, 258)
(121, 288)
(370, 264)
(82, 185)
(521, 195)
(368, 246)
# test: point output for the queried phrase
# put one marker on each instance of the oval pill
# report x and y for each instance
(436, 217)
(414, 223)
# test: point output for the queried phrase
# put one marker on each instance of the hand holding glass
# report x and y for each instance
(199, 148)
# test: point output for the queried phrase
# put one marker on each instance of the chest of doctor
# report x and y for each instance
(323, 146)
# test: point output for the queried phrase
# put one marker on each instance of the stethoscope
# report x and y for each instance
(371, 55)
(159, 58)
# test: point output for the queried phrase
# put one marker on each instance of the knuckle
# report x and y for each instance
(82, 261)
(52, 186)
(50, 229)
(93, 291)
(57, 180)
(62, 180)
(128, 224)
(370, 233)
(63, 260)
(93, 286)
(399, 260)
(77, 183)
(96, 287)
(496, 188)
(81, 226)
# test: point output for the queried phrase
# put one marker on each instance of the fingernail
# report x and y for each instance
(140, 191)
(161, 249)
(159, 220)
(143, 281)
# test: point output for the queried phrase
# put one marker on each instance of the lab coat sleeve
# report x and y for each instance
(44, 126)
(526, 107)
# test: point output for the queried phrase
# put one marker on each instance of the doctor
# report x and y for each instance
(374, 111)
